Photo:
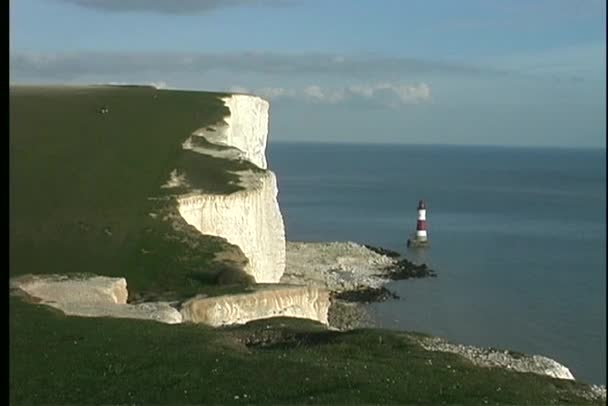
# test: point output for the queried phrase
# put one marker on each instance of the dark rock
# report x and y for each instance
(366, 295)
(405, 269)
(383, 251)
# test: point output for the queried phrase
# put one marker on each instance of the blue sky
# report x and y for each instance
(498, 72)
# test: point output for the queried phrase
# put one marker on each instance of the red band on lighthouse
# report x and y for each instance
(421, 225)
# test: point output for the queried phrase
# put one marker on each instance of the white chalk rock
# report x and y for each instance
(246, 128)
(488, 357)
(158, 311)
(250, 219)
(92, 296)
(336, 266)
(74, 289)
(288, 301)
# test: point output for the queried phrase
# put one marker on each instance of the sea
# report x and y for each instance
(517, 238)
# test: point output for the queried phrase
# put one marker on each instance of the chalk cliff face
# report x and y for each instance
(250, 218)
(246, 128)
(290, 301)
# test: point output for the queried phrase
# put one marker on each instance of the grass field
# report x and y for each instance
(58, 360)
(79, 188)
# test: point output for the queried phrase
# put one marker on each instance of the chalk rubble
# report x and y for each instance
(488, 357)
(92, 296)
(337, 266)
(74, 288)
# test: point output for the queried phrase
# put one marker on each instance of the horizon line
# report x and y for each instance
(415, 144)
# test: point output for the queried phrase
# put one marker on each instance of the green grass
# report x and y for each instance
(210, 174)
(56, 359)
(78, 193)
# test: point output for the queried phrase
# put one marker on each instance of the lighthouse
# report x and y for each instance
(420, 239)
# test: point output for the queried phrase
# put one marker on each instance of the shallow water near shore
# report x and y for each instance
(518, 238)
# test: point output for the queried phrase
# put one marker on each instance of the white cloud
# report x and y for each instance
(172, 6)
(69, 65)
(264, 92)
(239, 89)
(275, 92)
(317, 94)
(386, 94)
(156, 85)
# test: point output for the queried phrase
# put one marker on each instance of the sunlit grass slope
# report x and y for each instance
(69, 360)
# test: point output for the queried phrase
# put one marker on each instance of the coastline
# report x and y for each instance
(366, 270)
(508, 264)
(355, 275)
(120, 345)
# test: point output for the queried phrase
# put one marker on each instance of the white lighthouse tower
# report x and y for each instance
(420, 239)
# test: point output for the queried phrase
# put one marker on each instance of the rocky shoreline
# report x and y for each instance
(347, 266)
(355, 275)
(490, 357)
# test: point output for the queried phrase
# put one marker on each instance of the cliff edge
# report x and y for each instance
(250, 217)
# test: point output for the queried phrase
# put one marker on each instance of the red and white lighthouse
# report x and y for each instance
(421, 223)
(420, 238)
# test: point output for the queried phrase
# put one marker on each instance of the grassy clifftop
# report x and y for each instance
(80, 181)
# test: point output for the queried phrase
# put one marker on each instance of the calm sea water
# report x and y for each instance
(518, 238)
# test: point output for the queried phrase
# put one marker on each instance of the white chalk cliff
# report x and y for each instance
(244, 130)
(247, 127)
(249, 218)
